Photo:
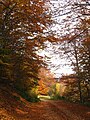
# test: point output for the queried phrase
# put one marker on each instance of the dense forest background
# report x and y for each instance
(25, 26)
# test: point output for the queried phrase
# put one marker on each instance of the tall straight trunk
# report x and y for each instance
(78, 73)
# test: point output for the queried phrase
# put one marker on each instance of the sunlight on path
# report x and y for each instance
(44, 98)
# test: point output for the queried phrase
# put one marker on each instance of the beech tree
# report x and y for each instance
(46, 81)
(23, 30)
(75, 22)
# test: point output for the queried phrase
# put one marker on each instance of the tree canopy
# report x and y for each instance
(23, 27)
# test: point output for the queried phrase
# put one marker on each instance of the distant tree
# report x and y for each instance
(71, 91)
(46, 81)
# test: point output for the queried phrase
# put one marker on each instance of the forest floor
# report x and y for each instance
(12, 108)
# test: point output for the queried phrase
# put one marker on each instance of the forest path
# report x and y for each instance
(59, 110)
(10, 109)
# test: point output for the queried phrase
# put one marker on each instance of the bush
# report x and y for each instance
(31, 97)
(57, 97)
(87, 104)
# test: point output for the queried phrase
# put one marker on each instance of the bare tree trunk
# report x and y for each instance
(78, 72)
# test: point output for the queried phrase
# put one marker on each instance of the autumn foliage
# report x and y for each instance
(22, 32)
(25, 26)
(46, 81)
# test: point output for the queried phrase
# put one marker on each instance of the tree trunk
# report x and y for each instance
(78, 72)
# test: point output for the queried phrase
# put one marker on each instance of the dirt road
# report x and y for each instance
(52, 110)
(48, 110)
(59, 110)
(12, 108)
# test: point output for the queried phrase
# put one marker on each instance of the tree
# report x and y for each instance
(23, 27)
(76, 27)
(46, 82)
(84, 61)
(71, 91)
(5, 52)
(83, 46)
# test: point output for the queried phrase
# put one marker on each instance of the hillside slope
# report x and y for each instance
(12, 105)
